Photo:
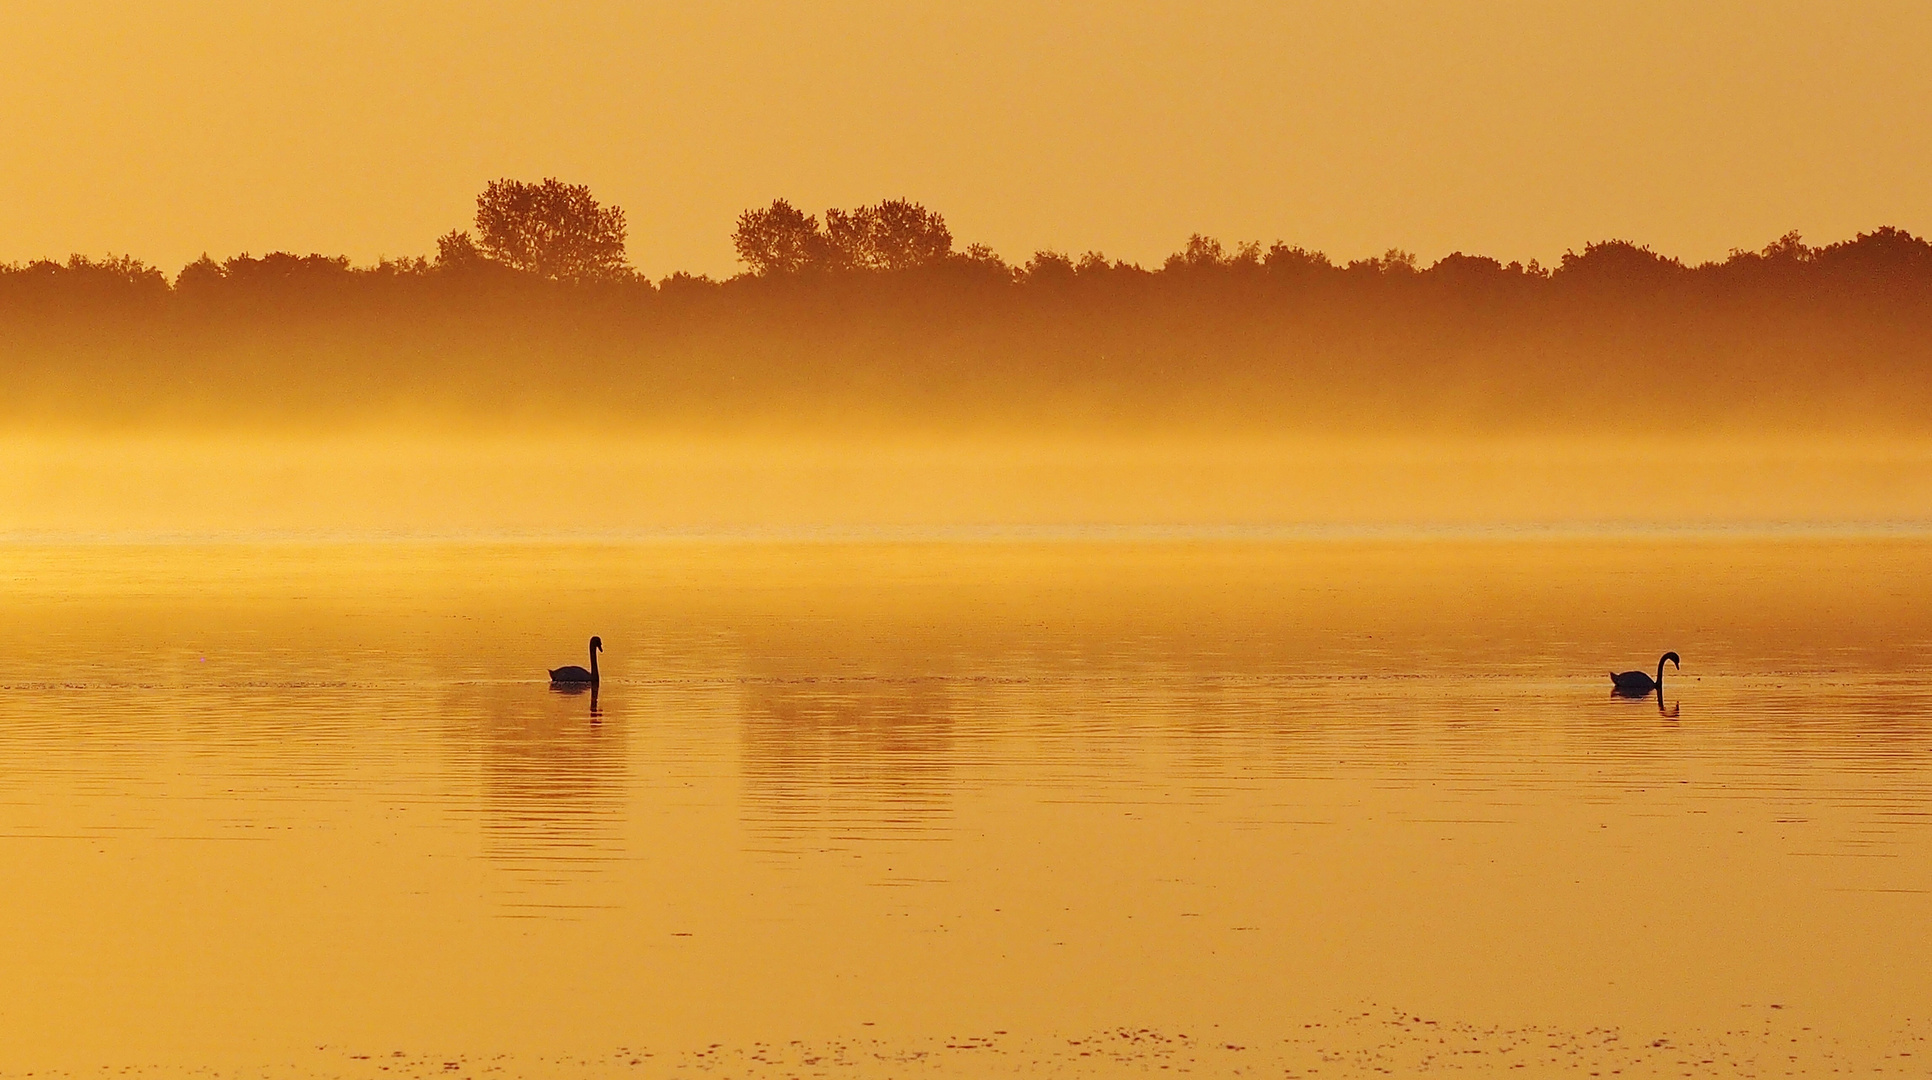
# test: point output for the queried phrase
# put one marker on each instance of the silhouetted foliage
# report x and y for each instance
(879, 313)
(1456, 266)
(201, 275)
(1393, 263)
(1295, 262)
(682, 282)
(414, 266)
(979, 257)
(553, 230)
(1789, 248)
(781, 240)
(1883, 253)
(892, 235)
(1617, 262)
(279, 269)
(1046, 267)
(1476, 275)
(113, 276)
(456, 250)
(81, 286)
(1199, 253)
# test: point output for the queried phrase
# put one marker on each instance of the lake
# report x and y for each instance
(1253, 805)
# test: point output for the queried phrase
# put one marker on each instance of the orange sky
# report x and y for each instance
(1512, 128)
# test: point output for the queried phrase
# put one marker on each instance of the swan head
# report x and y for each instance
(1672, 657)
(596, 644)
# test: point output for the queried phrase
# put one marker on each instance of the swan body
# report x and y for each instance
(1640, 682)
(573, 674)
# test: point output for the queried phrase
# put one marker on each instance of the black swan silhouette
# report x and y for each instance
(575, 674)
(1638, 683)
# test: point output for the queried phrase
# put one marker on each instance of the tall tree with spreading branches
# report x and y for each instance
(896, 234)
(553, 230)
(781, 239)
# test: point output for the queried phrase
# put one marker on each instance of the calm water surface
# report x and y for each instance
(1269, 808)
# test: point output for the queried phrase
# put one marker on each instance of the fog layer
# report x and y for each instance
(1617, 339)
(1241, 390)
(60, 487)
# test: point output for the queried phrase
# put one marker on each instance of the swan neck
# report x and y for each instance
(1660, 676)
(593, 666)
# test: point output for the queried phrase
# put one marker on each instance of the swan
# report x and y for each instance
(1637, 682)
(574, 674)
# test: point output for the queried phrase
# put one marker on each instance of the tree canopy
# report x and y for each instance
(553, 230)
(896, 234)
(781, 240)
(1222, 333)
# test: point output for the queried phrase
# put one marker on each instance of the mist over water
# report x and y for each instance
(396, 484)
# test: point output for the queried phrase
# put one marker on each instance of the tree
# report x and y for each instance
(1886, 252)
(896, 234)
(1284, 261)
(1048, 266)
(1093, 262)
(1790, 248)
(279, 269)
(905, 235)
(553, 230)
(1397, 261)
(456, 250)
(1464, 269)
(1617, 262)
(203, 273)
(781, 240)
(1201, 253)
(981, 255)
(893, 235)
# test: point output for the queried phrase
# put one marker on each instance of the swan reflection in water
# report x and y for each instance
(575, 689)
(550, 783)
(1668, 712)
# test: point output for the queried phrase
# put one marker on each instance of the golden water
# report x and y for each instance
(1317, 807)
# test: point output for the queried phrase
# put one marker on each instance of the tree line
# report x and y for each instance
(876, 314)
(560, 233)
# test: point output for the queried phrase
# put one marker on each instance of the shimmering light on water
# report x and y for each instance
(1069, 807)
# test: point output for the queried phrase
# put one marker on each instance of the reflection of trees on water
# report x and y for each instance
(853, 758)
(550, 779)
